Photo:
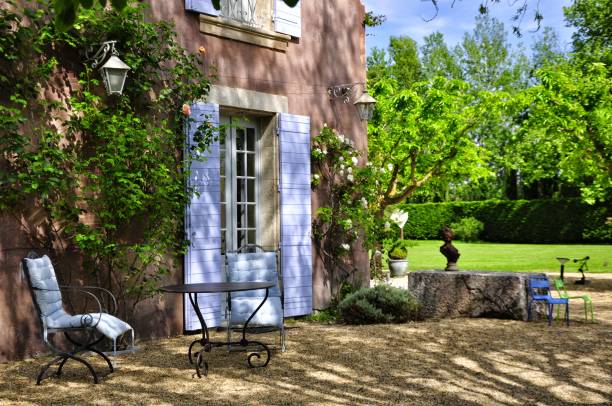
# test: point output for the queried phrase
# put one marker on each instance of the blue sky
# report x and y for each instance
(406, 17)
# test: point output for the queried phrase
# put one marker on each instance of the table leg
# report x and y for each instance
(204, 341)
(244, 342)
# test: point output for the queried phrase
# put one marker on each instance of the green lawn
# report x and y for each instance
(511, 257)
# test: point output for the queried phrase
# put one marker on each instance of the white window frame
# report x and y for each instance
(229, 230)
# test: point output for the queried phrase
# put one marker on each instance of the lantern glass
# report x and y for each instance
(365, 106)
(114, 72)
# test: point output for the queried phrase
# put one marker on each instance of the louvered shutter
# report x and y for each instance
(295, 213)
(203, 223)
(288, 20)
(201, 6)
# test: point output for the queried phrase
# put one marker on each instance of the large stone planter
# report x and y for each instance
(398, 267)
(470, 293)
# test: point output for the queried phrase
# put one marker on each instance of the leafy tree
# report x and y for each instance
(546, 49)
(377, 65)
(437, 59)
(568, 122)
(592, 20)
(405, 65)
(421, 134)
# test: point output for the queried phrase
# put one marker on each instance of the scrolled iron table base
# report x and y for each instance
(197, 358)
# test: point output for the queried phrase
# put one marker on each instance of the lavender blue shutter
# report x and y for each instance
(288, 20)
(203, 223)
(295, 212)
(201, 6)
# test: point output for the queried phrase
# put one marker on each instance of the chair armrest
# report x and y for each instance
(113, 301)
(87, 319)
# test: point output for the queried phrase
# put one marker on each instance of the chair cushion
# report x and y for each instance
(109, 325)
(46, 290)
(270, 314)
(49, 300)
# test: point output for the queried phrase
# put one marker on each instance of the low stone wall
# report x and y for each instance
(470, 293)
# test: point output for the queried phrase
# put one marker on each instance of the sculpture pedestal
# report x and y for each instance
(470, 293)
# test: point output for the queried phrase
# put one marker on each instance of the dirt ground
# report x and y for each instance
(447, 362)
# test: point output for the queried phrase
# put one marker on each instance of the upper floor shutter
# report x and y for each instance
(201, 6)
(203, 223)
(288, 20)
(295, 213)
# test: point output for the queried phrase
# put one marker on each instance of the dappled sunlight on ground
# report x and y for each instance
(451, 361)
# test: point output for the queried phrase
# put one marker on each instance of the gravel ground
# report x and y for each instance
(446, 362)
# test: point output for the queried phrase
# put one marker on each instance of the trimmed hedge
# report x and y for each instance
(516, 221)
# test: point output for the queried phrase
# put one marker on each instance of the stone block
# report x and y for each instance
(471, 293)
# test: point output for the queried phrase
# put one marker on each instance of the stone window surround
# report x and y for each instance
(238, 31)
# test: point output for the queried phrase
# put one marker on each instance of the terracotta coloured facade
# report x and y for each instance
(261, 69)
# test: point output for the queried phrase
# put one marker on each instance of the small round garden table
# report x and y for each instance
(192, 290)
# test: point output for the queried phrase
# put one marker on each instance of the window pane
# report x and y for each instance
(240, 164)
(252, 237)
(239, 139)
(250, 158)
(251, 190)
(251, 139)
(240, 215)
(251, 216)
(241, 238)
(240, 185)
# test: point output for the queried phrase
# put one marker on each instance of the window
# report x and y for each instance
(239, 183)
(243, 11)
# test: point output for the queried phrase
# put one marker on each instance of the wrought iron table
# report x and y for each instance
(192, 290)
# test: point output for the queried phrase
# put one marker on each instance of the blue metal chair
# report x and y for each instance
(250, 263)
(539, 291)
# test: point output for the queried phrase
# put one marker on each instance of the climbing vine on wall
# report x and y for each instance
(107, 172)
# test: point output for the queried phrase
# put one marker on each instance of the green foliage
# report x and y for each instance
(592, 38)
(566, 127)
(373, 20)
(397, 249)
(380, 304)
(339, 223)
(516, 221)
(424, 133)
(468, 229)
(405, 65)
(438, 60)
(108, 172)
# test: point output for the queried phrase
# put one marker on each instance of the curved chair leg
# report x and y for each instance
(108, 361)
(44, 369)
(567, 313)
(64, 358)
(80, 347)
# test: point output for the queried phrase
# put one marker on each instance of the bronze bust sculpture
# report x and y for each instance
(449, 250)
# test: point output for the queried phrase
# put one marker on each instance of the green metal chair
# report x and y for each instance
(588, 303)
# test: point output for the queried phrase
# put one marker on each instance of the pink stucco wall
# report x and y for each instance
(330, 51)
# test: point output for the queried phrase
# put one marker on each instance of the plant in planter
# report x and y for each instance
(398, 250)
(398, 253)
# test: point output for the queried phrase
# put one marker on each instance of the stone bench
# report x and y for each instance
(471, 293)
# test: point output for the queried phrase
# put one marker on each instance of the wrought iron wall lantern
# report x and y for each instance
(364, 104)
(113, 70)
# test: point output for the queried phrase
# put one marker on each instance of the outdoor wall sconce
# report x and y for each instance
(113, 71)
(365, 104)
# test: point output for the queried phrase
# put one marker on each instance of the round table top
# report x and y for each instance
(216, 287)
